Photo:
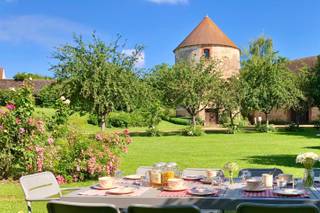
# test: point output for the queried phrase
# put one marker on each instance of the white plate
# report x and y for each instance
(260, 189)
(133, 177)
(289, 192)
(192, 177)
(121, 191)
(202, 191)
(174, 190)
(98, 187)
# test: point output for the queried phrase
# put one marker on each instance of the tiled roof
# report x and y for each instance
(297, 64)
(206, 33)
(10, 83)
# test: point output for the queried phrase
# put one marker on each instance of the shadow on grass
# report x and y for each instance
(278, 160)
(307, 132)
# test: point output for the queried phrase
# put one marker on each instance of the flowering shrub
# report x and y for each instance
(21, 136)
(89, 157)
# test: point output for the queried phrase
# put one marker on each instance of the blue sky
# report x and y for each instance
(30, 29)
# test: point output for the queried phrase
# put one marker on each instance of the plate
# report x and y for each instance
(133, 177)
(98, 187)
(206, 181)
(192, 177)
(202, 191)
(289, 192)
(121, 191)
(174, 190)
(260, 189)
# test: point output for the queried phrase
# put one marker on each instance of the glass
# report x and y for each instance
(308, 178)
(281, 183)
(155, 175)
(246, 174)
(168, 173)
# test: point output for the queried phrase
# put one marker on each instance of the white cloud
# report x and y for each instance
(43, 30)
(140, 60)
(169, 1)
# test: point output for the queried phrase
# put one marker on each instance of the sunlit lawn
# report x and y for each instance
(211, 150)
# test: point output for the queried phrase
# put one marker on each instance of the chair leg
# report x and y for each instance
(29, 207)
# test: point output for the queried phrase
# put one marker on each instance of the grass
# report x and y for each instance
(248, 149)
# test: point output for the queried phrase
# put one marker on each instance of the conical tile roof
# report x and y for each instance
(206, 33)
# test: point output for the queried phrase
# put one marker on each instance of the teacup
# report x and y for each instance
(175, 183)
(267, 180)
(254, 183)
(211, 173)
(106, 182)
(285, 177)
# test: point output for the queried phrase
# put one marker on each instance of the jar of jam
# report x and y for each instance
(168, 173)
(155, 175)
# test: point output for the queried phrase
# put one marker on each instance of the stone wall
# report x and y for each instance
(228, 57)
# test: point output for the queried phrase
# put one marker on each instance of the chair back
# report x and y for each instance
(143, 169)
(316, 172)
(258, 172)
(165, 209)
(39, 186)
(276, 208)
(200, 171)
(70, 207)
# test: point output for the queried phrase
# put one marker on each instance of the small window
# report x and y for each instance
(206, 53)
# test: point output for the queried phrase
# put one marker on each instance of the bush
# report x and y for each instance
(317, 124)
(153, 132)
(232, 129)
(193, 131)
(5, 96)
(265, 128)
(48, 95)
(293, 127)
(120, 120)
(179, 121)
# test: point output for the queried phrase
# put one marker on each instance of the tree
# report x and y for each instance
(230, 98)
(269, 83)
(97, 77)
(190, 85)
(315, 83)
(21, 76)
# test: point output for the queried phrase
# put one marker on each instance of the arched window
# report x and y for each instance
(206, 53)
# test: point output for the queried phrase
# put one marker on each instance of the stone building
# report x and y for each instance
(208, 40)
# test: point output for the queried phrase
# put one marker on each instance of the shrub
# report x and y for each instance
(5, 96)
(179, 121)
(48, 95)
(232, 129)
(84, 157)
(93, 119)
(153, 132)
(193, 131)
(293, 127)
(317, 124)
(265, 128)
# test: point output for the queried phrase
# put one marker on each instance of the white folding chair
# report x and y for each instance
(142, 170)
(40, 187)
(200, 171)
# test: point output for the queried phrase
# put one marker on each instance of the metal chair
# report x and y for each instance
(71, 207)
(276, 208)
(142, 170)
(258, 172)
(200, 171)
(40, 187)
(164, 209)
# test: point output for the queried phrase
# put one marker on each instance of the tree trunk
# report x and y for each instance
(194, 122)
(103, 122)
(267, 118)
(231, 119)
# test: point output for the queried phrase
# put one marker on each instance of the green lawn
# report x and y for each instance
(211, 150)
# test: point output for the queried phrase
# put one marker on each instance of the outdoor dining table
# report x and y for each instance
(227, 199)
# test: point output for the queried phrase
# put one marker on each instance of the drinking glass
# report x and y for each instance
(246, 174)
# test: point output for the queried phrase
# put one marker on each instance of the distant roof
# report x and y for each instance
(207, 32)
(38, 84)
(297, 64)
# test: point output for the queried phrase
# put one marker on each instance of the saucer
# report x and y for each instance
(192, 177)
(260, 189)
(121, 191)
(165, 188)
(206, 181)
(99, 187)
(289, 192)
(202, 191)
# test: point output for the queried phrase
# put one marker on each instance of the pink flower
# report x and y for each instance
(40, 158)
(10, 106)
(60, 179)
(126, 132)
(99, 137)
(40, 126)
(22, 130)
(91, 165)
(2, 112)
(18, 121)
(1, 127)
(50, 141)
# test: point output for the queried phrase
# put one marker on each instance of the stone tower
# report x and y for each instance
(208, 40)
